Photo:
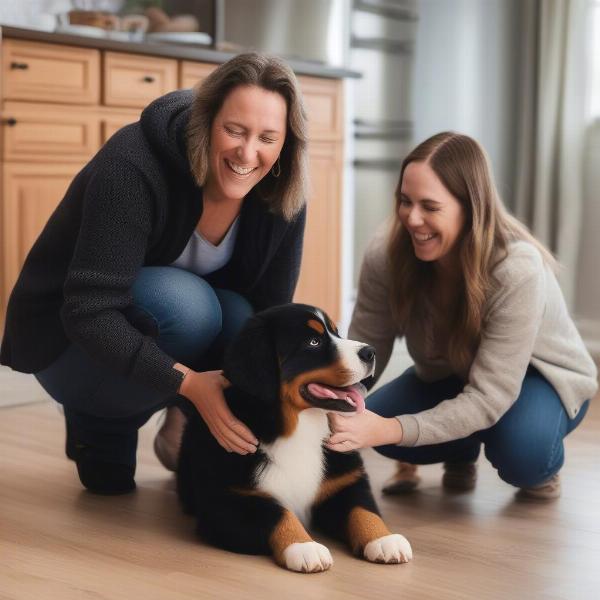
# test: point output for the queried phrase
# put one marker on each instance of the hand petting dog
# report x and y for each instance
(362, 430)
(205, 391)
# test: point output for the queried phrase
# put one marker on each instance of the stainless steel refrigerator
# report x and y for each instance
(383, 34)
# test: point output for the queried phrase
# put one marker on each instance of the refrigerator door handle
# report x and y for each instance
(383, 44)
(385, 8)
(379, 164)
(382, 129)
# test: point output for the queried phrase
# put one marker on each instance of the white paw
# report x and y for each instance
(307, 557)
(393, 548)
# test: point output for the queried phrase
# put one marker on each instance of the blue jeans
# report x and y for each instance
(191, 321)
(525, 446)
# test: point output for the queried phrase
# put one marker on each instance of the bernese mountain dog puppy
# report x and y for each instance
(288, 368)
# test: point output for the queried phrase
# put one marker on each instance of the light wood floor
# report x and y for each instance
(60, 542)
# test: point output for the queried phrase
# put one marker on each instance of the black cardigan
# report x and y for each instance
(134, 204)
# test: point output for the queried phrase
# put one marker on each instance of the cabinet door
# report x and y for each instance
(191, 73)
(323, 99)
(30, 195)
(50, 72)
(319, 282)
(133, 80)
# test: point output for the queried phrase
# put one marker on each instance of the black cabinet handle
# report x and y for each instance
(148, 79)
(10, 121)
(19, 66)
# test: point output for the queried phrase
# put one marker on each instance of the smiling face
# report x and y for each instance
(319, 369)
(432, 216)
(290, 358)
(246, 138)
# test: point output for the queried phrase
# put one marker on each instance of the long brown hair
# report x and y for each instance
(463, 167)
(286, 194)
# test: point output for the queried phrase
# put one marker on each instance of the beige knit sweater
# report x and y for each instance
(525, 322)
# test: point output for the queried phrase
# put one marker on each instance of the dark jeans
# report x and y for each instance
(525, 446)
(191, 321)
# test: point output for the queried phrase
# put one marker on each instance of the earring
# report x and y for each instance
(276, 169)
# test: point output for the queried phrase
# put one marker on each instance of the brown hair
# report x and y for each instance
(286, 194)
(463, 167)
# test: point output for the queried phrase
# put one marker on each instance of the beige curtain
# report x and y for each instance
(551, 129)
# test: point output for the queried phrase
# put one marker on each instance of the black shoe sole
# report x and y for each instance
(107, 479)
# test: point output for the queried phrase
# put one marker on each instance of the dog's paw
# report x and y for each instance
(390, 549)
(307, 557)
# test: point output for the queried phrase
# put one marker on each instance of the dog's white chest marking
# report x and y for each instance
(296, 468)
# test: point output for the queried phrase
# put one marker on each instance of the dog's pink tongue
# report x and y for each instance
(322, 391)
(355, 392)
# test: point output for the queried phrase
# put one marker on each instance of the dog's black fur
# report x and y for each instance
(269, 365)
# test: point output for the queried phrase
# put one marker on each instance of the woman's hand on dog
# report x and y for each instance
(362, 430)
(205, 391)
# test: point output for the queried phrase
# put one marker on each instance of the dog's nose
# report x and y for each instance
(367, 354)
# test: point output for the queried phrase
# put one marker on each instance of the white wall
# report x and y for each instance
(466, 76)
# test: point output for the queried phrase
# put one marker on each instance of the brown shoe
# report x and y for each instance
(404, 480)
(549, 490)
(168, 439)
(459, 476)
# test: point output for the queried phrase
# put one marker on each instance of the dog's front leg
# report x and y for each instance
(294, 549)
(347, 510)
(369, 536)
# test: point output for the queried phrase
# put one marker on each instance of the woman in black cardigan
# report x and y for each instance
(180, 227)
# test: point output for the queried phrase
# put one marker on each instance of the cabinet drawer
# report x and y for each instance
(49, 133)
(323, 101)
(133, 80)
(191, 73)
(112, 120)
(50, 73)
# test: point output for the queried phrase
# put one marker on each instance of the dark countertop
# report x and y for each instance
(164, 49)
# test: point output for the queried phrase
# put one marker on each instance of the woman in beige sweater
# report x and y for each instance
(498, 360)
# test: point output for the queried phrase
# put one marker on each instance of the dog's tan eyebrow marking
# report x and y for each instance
(316, 325)
(330, 324)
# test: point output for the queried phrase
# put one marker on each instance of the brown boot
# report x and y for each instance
(459, 476)
(168, 439)
(549, 490)
(404, 480)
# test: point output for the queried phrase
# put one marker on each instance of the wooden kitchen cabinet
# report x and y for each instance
(30, 193)
(131, 80)
(50, 73)
(324, 105)
(42, 132)
(191, 73)
(320, 272)
(66, 101)
(112, 120)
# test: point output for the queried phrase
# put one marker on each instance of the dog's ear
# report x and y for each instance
(251, 360)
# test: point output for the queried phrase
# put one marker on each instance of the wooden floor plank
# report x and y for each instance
(59, 542)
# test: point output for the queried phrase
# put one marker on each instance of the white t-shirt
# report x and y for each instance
(201, 257)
